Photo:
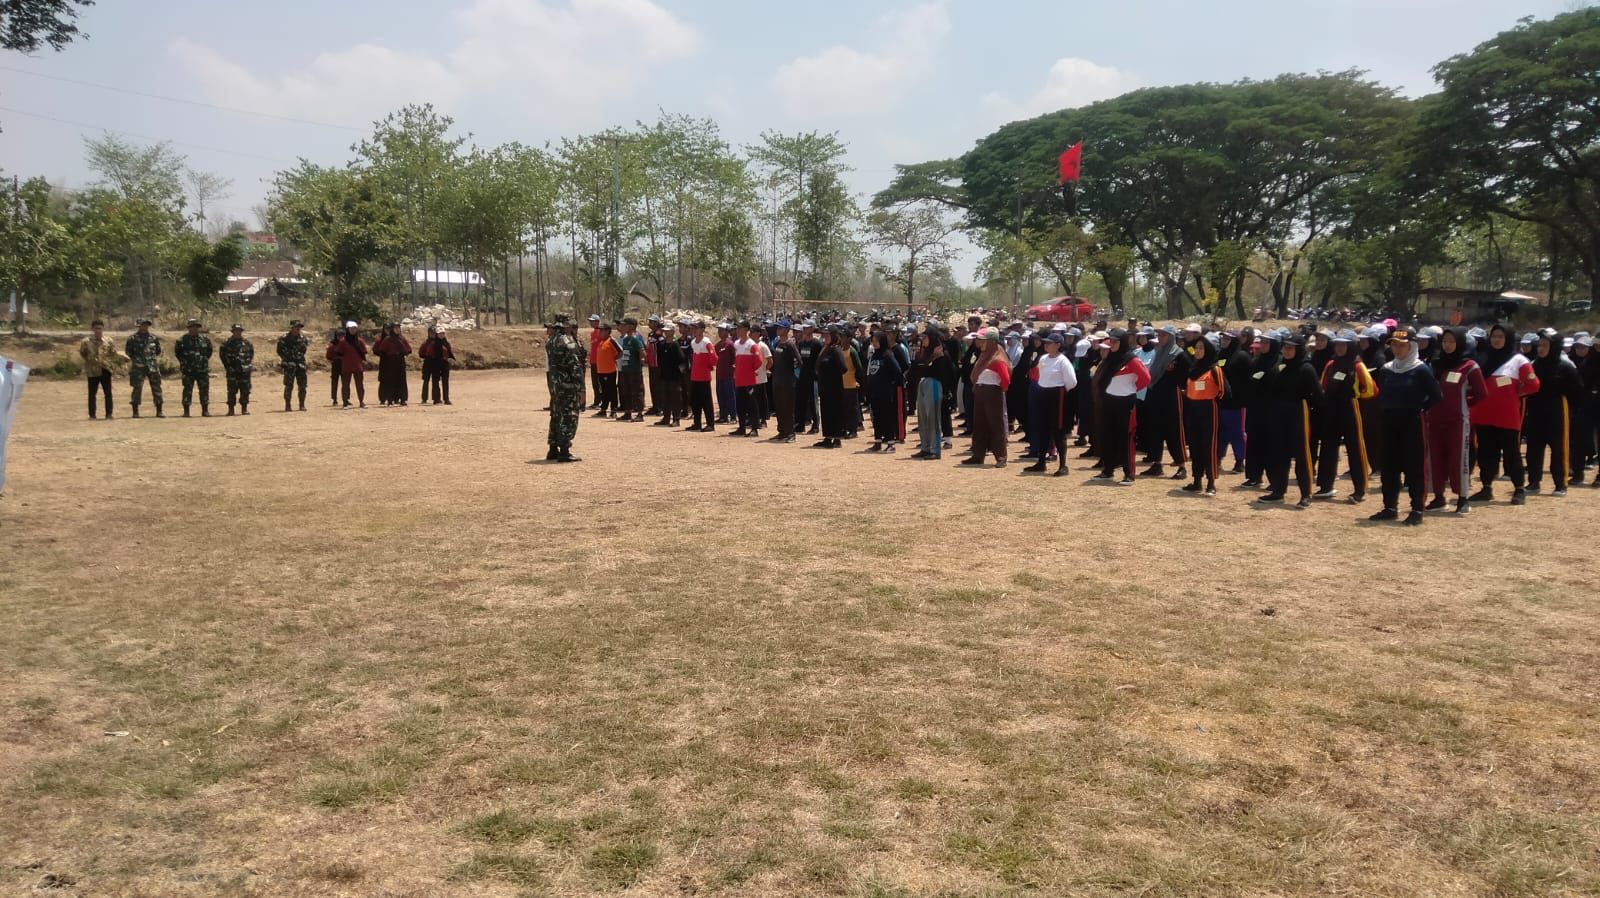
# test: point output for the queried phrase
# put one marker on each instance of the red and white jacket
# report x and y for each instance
(1507, 385)
(1133, 377)
(997, 374)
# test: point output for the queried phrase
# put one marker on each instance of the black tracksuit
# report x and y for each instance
(1547, 422)
(1403, 397)
(1290, 392)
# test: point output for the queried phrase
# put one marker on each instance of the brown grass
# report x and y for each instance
(379, 653)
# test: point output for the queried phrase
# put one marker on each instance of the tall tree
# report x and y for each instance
(207, 188)
(27, 25)
(410, 155)
(153, 173)
(482, 210)
(343, 223)
(37, 247)
(919, 233)
(1516, 130)
(792, 162)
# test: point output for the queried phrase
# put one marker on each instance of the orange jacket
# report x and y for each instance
(605, 356)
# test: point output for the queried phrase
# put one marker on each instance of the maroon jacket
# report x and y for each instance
(350, 354)
(394, 345)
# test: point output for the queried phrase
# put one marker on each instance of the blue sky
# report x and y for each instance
(900, 81)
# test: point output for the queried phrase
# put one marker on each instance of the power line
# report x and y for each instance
(187, 102)
(197, 146)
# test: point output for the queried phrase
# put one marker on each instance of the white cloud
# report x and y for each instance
(1071, 82)
(561, 57)
(845, 80)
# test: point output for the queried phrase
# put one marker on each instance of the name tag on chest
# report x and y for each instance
(1339, 375)
(1453, 377)
(1503, 381)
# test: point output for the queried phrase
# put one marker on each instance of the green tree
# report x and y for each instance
(1515, 130)
(792, 162)
(37, 247)
(343, 223)
(410, 157)
(27, 25)
(482, 211)
(208, 270)
(825, 213)
(920, 234)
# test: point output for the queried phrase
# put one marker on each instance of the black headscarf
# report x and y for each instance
(1545, 367)
(1445, 362)
(1203, 360)
(1489, 358)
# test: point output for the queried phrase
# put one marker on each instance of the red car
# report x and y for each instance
(1062, 308)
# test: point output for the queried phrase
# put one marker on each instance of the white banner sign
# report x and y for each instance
(12, 377)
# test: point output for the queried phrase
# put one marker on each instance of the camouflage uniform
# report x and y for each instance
(292, 359)
(143, 350)
(194, 363)
(564, 373)
(238, 356)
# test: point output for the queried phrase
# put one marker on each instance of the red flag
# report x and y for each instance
(1070, 162)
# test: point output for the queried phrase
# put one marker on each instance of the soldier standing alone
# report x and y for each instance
(143, 349)
(564, 372)
(238, 355)
(292, 359)
(194, 363)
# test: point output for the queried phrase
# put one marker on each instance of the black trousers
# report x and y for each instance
(594, 385)
(1405, 454)
(852, 411)
(333, 384)
(291, 379)
(1342, 425)
(749, 408)
(437, 376)
(783, 407)
(1255, 435)
(360, 377)
(1201, 422)
(97, 385)
(1049, 414)
(1497, 444)
(1164, 429)
(889, 417)
(1117, 424)
(608, 393)
(1552, 431)
(653, 377)
(805, 403)
(669, 402)
(1287, 431)
(631, 386)
(700, 402)
(835, 416)
(1372, 427)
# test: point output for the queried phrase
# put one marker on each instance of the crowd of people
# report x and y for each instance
(346, 352)
(1418, 409)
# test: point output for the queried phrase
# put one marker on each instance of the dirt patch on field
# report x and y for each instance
(392, 652)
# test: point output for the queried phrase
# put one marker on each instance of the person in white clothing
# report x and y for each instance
(1051, 404)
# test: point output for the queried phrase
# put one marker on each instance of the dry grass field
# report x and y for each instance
(385, 653)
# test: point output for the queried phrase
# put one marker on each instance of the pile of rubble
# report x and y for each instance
(440, 316)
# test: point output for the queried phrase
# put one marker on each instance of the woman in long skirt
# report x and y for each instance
(831, 365)
(991, 375)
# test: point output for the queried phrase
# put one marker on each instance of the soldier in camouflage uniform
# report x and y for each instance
(194, 363)
(143, 349)
(238, 355)
(292, 359)
(564, 373)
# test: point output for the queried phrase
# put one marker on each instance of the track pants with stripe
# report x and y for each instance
(1048, 418)
(1448, 447)
(1496, 444)
(1550, 430)
(889, 417)
(1255, 436)
(1287, 436)
(1118, 424)
(1405, 453)
(1342, 425)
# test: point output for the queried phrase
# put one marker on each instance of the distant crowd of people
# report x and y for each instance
(1416, 408)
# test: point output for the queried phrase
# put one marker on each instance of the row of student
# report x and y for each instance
(1416, 408)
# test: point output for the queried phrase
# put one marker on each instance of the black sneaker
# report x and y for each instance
(1305, 502)
(1414, 519)
(1387, 514)
(1436, 504)
(1270, 497)
(1519, 498)
(1126, 481)
(875, 447)
(1325, 494)
(972, 462)
(1462, 505)
(1251, 484)
(1190, 487)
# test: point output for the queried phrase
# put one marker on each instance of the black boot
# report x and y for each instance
(186, 411)
(136, 411)
(553, 454)
(205, 410)
(244, 408)
(230, 412)
(1035, 468)
(566, 455)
